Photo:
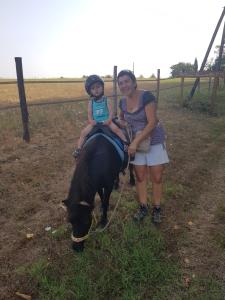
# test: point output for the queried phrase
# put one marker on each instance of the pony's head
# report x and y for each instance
(80, 217)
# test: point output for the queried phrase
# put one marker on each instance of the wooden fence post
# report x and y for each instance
(115, 90)
(158, 85)
(207, 54)
(217, 78)
(182, 89)
(22, 96)
(210, 81)
(212, 100)
(199, 83)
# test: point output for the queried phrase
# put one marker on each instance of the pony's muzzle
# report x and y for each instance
(78, 246)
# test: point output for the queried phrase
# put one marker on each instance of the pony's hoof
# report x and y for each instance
(116, 186)
(103, 223)
(132, 181)
(78, 247)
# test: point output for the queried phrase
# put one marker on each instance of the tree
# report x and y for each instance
(195, 65)
(180, 68)
(152, 76)
(215, 64)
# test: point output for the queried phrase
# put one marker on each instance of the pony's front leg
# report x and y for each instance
(78, 246)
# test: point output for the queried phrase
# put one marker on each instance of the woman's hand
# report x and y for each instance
(122, 123)
(132, 148)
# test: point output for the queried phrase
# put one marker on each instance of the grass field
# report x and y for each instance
(182, 259)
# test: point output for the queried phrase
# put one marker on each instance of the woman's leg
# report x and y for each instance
(83, 134)
(117, 131)
(141, 187)
(156, 174)
(141, 183)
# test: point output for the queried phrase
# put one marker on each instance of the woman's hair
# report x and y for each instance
(129, 74)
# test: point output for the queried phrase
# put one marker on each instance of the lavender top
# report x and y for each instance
(138, 120)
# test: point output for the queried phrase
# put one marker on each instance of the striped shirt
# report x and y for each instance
(138, 119)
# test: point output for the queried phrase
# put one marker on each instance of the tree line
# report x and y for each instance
(189, 68)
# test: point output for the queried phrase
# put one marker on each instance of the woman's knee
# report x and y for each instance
(156, 178)
(156, 174)
(140, 175)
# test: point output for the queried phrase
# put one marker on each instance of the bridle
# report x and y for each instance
(83, 238)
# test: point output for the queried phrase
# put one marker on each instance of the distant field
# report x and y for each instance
(36, 92)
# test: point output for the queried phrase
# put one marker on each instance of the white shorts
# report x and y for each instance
(157, 155)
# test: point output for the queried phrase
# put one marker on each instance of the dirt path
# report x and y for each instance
(198, 164)
(201, 254)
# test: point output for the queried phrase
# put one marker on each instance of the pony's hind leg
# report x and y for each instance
(105, 204)
(116, 183)
(132, 178)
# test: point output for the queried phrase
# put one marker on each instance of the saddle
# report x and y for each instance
(118, 144)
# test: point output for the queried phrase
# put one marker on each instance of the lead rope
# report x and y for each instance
(115, 208)
(121, 192)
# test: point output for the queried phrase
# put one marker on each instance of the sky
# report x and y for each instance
(72, 38)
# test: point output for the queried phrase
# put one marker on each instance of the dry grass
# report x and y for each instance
(35, 177)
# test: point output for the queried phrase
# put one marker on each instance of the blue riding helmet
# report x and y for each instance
(90, 81)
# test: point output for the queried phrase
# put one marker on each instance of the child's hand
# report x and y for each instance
(107, 122)
(93, 122)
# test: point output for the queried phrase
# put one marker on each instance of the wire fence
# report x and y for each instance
(156, 85)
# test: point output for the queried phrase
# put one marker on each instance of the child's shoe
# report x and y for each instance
(76, 153)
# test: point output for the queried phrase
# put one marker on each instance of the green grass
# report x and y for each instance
(129, 261)
(201, 101)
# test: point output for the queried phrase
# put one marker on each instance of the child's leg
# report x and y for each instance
(83, 134)
(117, 131)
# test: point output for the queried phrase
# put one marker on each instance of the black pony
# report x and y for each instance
(97, 168)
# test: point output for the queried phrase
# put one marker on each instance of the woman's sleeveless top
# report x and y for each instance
(100, 111)
(138, 120)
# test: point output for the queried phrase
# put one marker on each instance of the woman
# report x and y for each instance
(138, 109)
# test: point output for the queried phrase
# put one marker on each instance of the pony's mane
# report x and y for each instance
(81, 184)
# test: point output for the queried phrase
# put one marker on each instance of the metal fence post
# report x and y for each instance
(115, 91)
(158, 85)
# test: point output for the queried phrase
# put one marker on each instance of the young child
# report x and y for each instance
(99, 111)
